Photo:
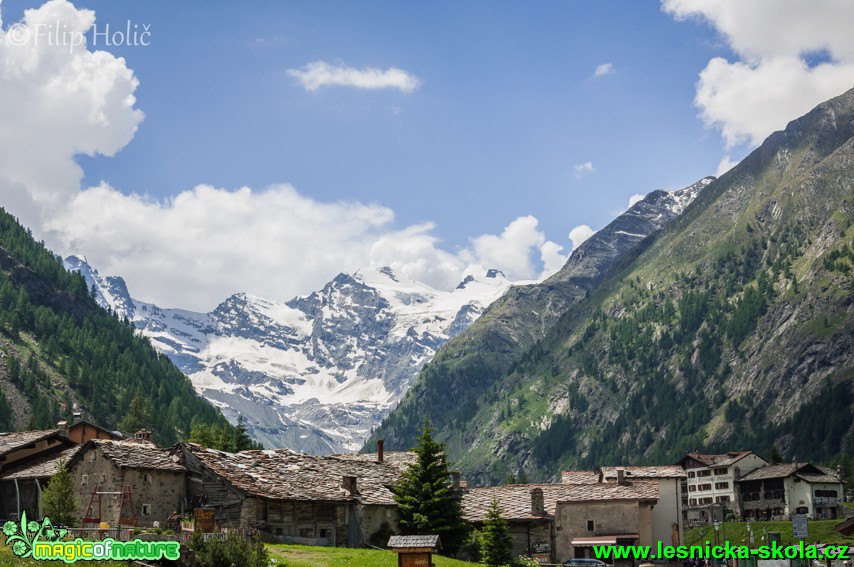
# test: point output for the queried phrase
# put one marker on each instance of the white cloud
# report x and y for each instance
(604, 69)
(321, 74)
(579, 234)
(197, 247)
(772, 83)
(57, 101)
(635, 198)
(583, 168)
(725, 165)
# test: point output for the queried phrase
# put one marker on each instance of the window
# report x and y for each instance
(590, 525)
(102, 478)
(707, 486)
(146, 478)
(706, 472)
(306, 532)
(691, 488)
(721, 498)
(323, 532)
(721, 485)
(692, 502)
(84, 479)
(691, 474)
(146, 509)
(721, 471)
(704, 501)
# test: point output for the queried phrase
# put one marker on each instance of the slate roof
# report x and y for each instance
(724, 460)
(579, 477)
(12, 441)
(43, 466)
(515, 499)
(137, 455)
(805, 471)
(431, 541)
(399, 459)
(281, 474)
(666, 471)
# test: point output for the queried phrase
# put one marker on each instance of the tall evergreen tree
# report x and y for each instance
(427, 502)
(58, 499)
(496, 544)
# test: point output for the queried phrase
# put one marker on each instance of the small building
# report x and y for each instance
(83, 431)
(27, 460)
(667, 514)
(779, 491)
(607, 513)
(415, 550)
(156, 481)
(293, 497)
(710, 488)
(529, 510)
(556, 522)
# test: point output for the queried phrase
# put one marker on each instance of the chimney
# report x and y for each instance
(380, 444)
(621, 476)
(455, 480)
(143, 436)
(349, 484)
(601, 476)
(538, 505)
(63, 427)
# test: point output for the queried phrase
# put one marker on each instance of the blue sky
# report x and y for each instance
(504, 118)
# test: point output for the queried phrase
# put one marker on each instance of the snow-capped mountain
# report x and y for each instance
(315, 373)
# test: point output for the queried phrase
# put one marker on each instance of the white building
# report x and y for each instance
(778, 491)
(710, 486)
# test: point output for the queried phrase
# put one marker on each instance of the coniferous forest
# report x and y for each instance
(59, 348)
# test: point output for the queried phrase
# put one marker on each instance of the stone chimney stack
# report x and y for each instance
(63, 427)
(455, 480)
(348, 483)
(538, 504)
(142, 436)
(621, 476)
(380, 446)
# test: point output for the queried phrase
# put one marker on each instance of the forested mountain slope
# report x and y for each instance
(731, 328)
(59, 351)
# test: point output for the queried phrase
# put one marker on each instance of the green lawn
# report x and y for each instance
(9, 559)
(820, 531)
(306, 556)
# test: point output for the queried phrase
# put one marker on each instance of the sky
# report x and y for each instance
(199, 150)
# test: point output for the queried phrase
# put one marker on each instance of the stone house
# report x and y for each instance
(556, 522)
(155, 480)
(529, 510)
(667, 513)
(710, 489)
(293, 497)
(606, 513)
(27, 460)
(779, 491)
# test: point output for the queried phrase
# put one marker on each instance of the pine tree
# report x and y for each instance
(58, 499)
(427, 502)
(496, 543)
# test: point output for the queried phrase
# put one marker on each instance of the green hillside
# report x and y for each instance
(58, 348)
(732, 328)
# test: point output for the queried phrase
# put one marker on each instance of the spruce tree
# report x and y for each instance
(496, 543)
(58, 499)
(427, 502)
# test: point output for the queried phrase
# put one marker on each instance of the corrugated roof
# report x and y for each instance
(515, 499)
(281, 474)
(43, 466)
(137, 455)
(665, 471)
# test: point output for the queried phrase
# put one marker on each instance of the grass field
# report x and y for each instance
(820, 531)
(306, 556)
